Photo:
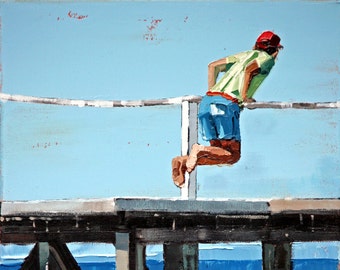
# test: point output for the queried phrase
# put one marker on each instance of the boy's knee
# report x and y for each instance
(234, 147)
(234, 157)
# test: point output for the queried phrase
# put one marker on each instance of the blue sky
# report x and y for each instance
(149, 50)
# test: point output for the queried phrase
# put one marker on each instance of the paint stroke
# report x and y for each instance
(151, 27)
(75, 15)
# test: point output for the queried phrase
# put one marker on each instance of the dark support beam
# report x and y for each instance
(54, 254)
(37, 258)
(60, 257)
(123, 251)
(140, 257)
(277, 256)
(180, 256)
(130, 255)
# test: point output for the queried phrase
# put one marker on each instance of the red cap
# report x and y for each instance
(268, 39)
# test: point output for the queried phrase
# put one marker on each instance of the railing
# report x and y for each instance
(163, 101)
(189, 127)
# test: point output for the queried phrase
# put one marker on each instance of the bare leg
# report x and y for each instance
(211, 155)
(220, 152)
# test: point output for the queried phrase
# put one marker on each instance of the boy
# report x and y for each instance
(220, 108)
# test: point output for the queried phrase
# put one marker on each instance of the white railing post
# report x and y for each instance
(189, 137)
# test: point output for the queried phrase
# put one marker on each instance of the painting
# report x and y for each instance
(98, 98)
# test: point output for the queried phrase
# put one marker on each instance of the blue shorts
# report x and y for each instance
(219, 118)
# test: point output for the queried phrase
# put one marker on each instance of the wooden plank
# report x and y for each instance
(57, 207)
(192, 206)
(304, 206)
(113, 205)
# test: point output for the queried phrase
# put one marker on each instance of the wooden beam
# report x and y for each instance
(304, 206)
(237, 234)
(72, 209)
(140, 257)
(180, 206)
(55, 255)
(130, 255)
(276, 256)
(37, 258)
(60, 257)
(123, 251)
(31, 262)
(180, 256)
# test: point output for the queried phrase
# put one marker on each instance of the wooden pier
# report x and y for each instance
(180, 225)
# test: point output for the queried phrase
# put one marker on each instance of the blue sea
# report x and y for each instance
(324, 264)
(236, 256)
(316, 264)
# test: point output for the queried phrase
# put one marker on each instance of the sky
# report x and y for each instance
(151, 50)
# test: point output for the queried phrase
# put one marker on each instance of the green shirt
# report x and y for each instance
(232, 81)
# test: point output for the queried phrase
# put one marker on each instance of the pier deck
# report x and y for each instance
(132, 223)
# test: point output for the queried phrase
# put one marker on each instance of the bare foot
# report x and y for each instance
(178, 170)
(192, 160)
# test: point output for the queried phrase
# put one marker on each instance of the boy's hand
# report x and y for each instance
(249, 100)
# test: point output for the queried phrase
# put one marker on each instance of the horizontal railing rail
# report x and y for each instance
(99, 103)
(163, 101)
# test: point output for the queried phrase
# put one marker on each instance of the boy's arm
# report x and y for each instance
(214, 68)
(251, 70)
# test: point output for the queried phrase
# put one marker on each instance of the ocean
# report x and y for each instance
(310, 264)
(235, 256)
